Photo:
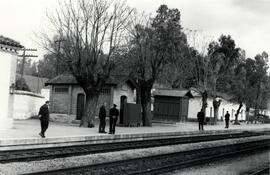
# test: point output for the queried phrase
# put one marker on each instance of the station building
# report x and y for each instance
(67, 97)
(175, 105)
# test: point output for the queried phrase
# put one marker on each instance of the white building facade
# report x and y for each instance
(8, 63)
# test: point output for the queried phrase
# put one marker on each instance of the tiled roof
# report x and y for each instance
(170, 92)
(9, 42)
(62, 79)
(69, 79)
(225, 96)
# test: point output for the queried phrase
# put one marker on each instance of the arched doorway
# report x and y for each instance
(123, 100)
(80, 106)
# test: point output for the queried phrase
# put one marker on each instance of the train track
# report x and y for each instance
(163, 163)
(263, 171)
(65, 151)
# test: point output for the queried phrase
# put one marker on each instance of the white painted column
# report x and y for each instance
(8, 62)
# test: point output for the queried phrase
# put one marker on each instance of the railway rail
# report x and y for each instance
(262, 171)
(65, 151)
(158, 164)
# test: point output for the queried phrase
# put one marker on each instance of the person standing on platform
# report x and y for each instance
(114, 113)
(44, 117)
(227, 119)
(201, 117)
(102, 118)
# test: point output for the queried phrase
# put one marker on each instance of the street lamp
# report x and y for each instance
(12, 88)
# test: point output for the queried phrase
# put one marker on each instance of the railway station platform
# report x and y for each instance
(25, 133)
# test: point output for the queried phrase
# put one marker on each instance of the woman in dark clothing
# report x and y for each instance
(102, 118)
(114, 113)
(44, 116)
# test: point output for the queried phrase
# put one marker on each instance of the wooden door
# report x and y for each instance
(80, 106)
(184, 109)
(123, 100)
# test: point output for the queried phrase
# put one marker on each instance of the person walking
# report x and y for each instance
(227, 119)
(102, 118)
(44, 116)
(200, 117)
(114, 113)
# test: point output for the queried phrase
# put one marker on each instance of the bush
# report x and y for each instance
(21, 85)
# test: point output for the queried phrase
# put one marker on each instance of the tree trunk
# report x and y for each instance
(216, 104)
(247, 114)
(256, 112)
(138, 96)
(145, 97)
(236, 115)
(90, 110)
(146, 114)
(204, 101)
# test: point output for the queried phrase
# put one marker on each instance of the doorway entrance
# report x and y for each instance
(123, 100)
(80, 106)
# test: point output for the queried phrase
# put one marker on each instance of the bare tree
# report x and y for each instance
(92, 33)
(201, 66)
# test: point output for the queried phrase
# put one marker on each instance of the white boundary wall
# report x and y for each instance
(195, 105)
(26, 104)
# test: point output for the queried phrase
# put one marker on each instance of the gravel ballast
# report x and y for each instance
(43, 165)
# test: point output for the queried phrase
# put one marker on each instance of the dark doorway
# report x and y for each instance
(80, 106)
(123, 100)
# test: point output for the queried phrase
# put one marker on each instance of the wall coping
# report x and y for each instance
(18, 92)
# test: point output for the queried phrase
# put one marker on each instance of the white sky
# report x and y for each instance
(247, 21)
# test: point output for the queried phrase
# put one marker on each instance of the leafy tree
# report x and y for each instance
(151, 47)
(260, 79)
(48, 65)
(239, 87)
(223, 56)
(92, 35)
(249, 82)
(30, 68)
(179, 72)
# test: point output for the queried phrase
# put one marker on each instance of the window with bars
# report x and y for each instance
(61, 90)
(106, 91)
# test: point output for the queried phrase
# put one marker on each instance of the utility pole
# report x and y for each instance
(24, 56)
(58, 54)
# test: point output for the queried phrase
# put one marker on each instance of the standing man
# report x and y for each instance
(102, 118)
(201, 117)
(44, 116)
(114, 113)
(227, 119)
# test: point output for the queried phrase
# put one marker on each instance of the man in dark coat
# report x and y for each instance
(201, 117)
(227, 119)
(102, 118)
(114, 113)
(44, 118)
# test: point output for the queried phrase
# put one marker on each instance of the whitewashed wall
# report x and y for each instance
(123, 90)
(26, 104)
(46, 93)
(195, 105)
(8, 62)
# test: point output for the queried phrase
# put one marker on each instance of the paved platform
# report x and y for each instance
(25, 132)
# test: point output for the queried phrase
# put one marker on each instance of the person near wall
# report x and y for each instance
(227, 119)
(44, 116)
(200, 117)
(114, 113)
(102, 118)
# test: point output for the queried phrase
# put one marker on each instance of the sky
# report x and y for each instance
(247, 21)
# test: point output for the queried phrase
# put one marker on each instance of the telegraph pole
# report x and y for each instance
(58, 54)
(24, 56)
